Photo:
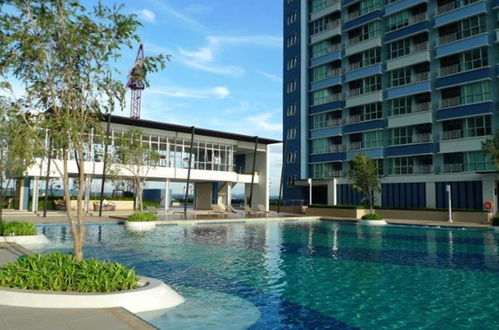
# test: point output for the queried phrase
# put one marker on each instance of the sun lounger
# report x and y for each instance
(249, 210)
(233, 210)
(216, 209)
(262, 209)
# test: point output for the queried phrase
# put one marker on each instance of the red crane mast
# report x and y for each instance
(136, 83)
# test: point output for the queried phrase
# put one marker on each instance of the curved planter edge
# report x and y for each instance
(140, 225)
(154, 295)
(372, 222)
(25, 239)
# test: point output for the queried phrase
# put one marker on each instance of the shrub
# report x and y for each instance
(17, 228)
(495, 220)
(60, 272)
(145, 216)
(373, 216)
(148, 203)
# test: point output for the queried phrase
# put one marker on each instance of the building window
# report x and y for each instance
(368, 6)
(291, 110)
(402, 135)
(400, 77)
(479, 126)
(372, 111)
(291, 158)
(399, 20)
(476, 58)
(403, 165)
(291, 134)
(372, 84)
(323, 24)
(292, 18)
(291, 181)
(476, 92)
(401, 106)
(372, 139)
(399, 48)
(291, 87)
(291, 64)
(291, 41)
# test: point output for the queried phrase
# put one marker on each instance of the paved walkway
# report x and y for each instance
(21, 318)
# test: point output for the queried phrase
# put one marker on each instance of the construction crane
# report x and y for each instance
(136, 83)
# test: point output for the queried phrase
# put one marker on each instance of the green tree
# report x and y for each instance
(17, 152)
(133, 156)
(64, 54)
(364, 178)
(491, 146)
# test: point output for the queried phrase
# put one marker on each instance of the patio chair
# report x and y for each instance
(233, 210)
(216, 209)
(262, 209)
(249, 210)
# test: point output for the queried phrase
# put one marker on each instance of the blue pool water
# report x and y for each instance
(310, 275)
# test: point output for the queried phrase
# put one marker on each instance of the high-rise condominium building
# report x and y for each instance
(412, 84)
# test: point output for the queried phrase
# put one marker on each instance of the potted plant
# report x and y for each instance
(372, 219)
(142, 221)
(495, 222)
(20, 232)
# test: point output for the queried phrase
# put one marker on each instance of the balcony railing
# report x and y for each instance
(448, 70)
(328, 98)
(420, 76)
(422, 138)
(354, 66)
(452, 135)
(451, 102)
(353, 15)
(335, 148)
(333, 122)
(449, 6)
(422, 169)
(417, 18)
(355, 145)
(324, 5)
(420, 107)
(354, 119)
(328, 26)
(453, 168)
(448, 38)
(419, 47)
(334, 47)
(356, 91)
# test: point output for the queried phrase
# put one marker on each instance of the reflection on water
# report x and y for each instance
(310, 274)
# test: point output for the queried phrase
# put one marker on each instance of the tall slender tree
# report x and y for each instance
(364, 178)
(64, 54)
(491, 147)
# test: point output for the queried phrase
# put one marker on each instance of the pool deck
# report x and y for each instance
(21, 318)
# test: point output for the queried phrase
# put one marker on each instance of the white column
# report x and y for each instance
(430, 195)
(34, 201)
(167, 194)
(331, 191)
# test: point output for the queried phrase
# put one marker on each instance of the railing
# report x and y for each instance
(419, 47)
(453, 168)
(327, 27)
(451, 102)
(421, 76)
(423, 169)
(418, 18)
(354, 119)
(335, 148)
(328, 98)
(353, 15)
(448, 38)
(325, 5)
(334, 47)
(422, 138)
(452, 135)
(450, 69)
(355, 145)
(354, 66)
(420, 107)
(449, 6)
(333, 122)
(356, 91)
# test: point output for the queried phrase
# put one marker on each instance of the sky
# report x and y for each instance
(225, 71)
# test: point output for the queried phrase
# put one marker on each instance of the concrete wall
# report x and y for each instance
(260, 188)
(203, 195)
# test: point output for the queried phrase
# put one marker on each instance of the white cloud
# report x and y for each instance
(220, 92)
(147, 15)
(203, 54)
(271, 76)
(265, 122)
(177, 15)
(248, 40)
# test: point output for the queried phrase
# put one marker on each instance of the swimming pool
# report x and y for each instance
(309, 274)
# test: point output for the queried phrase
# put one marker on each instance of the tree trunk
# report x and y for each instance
(371, 201)
(67, 197)
(80, 227)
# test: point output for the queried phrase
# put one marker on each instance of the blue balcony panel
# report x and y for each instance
(465, 111)
(407, 31)
(495, 4)
(362, 19)
(416, 88)
(326, 58)
(325, 83)
(326, 132)
(331, 157)
(462, 45)
(463, 77)
(371, 153)
(461, 13)
(410, 149)
(401, 5)
(347, 2)
(364, 72)
(327, 106)
(364, 126)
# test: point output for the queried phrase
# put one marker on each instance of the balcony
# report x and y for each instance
(326, 8)
(355, 145)
(354, 119)
(452, 141)
(453, 168)
(452, 135)
(358, 44)
(331, 28)
(458, 10)
(334, 148)
(417, 53)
